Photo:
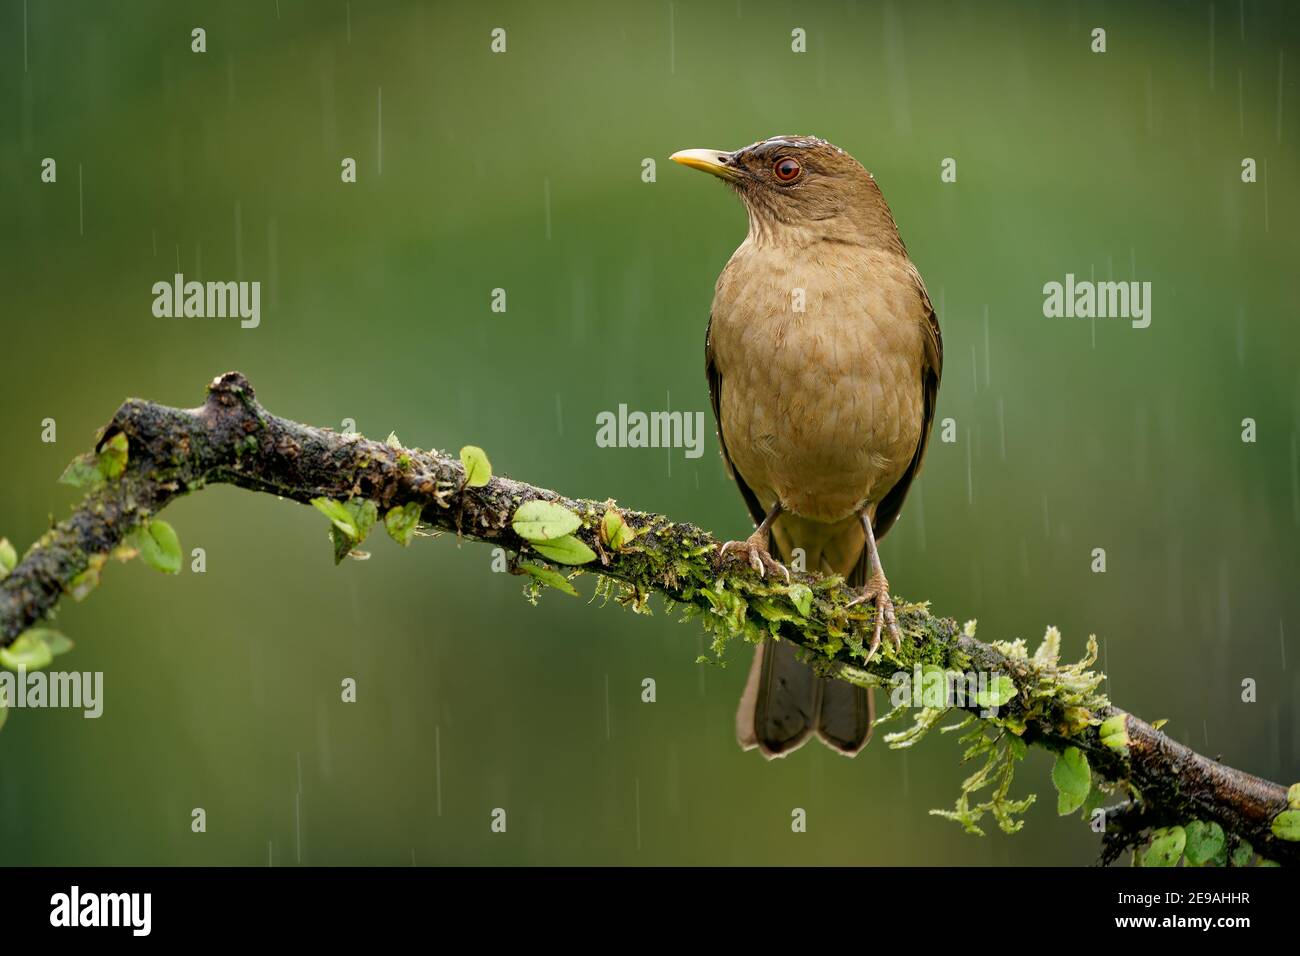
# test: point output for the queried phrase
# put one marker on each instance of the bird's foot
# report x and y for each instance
(754, 550)
(877, 592)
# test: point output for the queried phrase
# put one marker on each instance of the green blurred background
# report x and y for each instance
(523, 171)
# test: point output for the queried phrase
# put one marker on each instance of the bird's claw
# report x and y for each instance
(757, 556)
(877, 592)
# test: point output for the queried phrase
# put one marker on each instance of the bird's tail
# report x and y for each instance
(784, 702)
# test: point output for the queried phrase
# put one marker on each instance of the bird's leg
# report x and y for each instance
(755, 547)
(877, 591)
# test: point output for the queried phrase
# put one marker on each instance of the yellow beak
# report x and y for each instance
(713, 161)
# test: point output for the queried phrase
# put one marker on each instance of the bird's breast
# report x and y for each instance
(820, 355)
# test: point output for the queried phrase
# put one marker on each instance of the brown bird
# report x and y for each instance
(823, 356)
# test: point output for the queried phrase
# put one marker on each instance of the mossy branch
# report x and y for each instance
(232, 439)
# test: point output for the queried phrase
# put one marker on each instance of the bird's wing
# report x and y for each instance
(715, 396)
(931, 370)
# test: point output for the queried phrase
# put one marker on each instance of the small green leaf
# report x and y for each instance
(549, 577)
(1166, 847)
(544, 521)
(81, 471)
(364, 514)
(337, 513)
(1286, 825)
(158, 546)
(56, 641)
(617, 532)
(566, 550)
(1243, 853)
(1293, 796)
(341, 543)
(1073, 780)
(1114, 732)
(1017, 747)
(998, 694)
(400, 523)
(478, 470)
(801, 597)
(1204, 842)
(1156, 725)
(112, 457)
(29, 652)
(8, 558)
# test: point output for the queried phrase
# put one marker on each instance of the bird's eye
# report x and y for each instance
(787, 170)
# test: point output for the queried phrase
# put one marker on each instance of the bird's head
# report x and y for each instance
(800, 185)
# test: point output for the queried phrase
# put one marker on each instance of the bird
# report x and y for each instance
(823, 357)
